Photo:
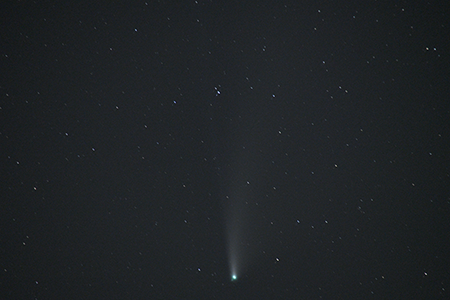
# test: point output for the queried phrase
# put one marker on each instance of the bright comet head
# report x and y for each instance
(233, 277)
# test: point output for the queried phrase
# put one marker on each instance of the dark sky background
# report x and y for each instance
(142, 141)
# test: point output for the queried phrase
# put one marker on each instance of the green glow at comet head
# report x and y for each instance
(233, 270)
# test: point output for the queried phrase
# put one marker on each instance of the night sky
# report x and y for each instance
(151, 150)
